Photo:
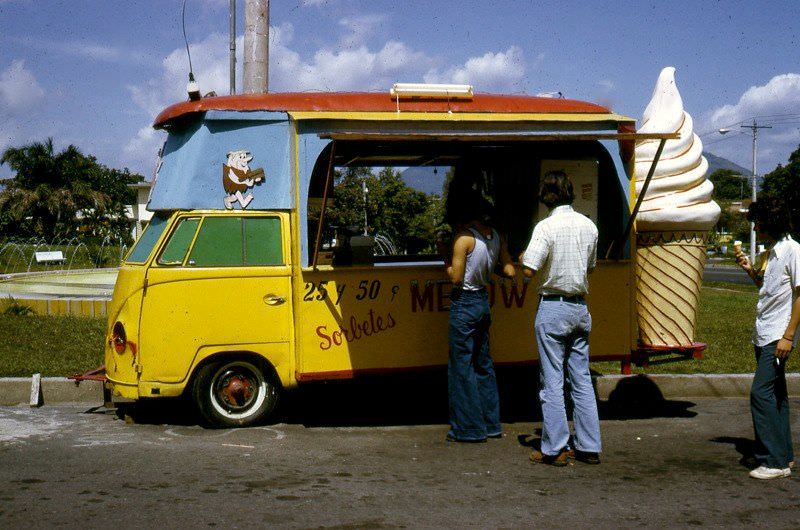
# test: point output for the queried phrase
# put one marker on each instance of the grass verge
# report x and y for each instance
(61, 346)
(725, 319)
(51, 345)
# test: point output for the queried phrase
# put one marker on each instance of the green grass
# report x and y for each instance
(725, 321)
(51, 345)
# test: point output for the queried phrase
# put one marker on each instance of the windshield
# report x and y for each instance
(144, 245)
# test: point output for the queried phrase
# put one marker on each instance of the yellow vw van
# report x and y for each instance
(241, 287)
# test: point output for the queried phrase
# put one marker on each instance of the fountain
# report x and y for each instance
(58, 287)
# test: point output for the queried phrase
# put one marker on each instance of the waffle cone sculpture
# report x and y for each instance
(674, 222)
(669, 270)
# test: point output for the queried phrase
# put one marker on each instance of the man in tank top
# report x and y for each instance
(472, 387)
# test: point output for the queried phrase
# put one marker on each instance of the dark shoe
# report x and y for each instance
(586, 458)
(559, 460)
(450, 438)
(496, 435)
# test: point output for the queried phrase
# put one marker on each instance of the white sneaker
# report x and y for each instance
(767, 473)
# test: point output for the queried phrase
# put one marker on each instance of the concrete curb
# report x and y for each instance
(672, 386)
(16, 390)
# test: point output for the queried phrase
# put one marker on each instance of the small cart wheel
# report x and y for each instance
(235, 393)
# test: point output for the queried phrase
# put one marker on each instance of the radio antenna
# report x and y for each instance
(192, 88)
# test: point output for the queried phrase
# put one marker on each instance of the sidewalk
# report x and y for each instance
(17, 390)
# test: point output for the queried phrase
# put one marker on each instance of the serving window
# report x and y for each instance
(387, 202)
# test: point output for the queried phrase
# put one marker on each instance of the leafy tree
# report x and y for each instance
(405, 215)
(784, 183)
(729, 185)
(50, 190)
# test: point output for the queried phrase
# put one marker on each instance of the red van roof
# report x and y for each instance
(378, 102)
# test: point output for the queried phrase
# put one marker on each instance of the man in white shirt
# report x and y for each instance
(563, 250)
(774, 336)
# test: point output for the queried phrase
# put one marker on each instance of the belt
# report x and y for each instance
(575, 299)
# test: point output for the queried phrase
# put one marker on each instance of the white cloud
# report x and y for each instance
(781, 95)
(340, 68)
(19, 89)
(211, 70)
(141, 152)
(776, 104)
(353, 68)
(501, 71)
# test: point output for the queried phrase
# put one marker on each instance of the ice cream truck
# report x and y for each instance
(239, 288)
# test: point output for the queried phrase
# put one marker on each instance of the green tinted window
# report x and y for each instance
(262, 236)
(178, 244)
(219, 243)
(141, 250)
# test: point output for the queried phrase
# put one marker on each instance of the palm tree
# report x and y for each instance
(49, 188)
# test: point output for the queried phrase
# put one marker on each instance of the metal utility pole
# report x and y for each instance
(754, 128)
(365, 191)
(232, 17)
(256, 46)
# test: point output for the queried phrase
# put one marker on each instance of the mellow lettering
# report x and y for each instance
(421, 300)
(518, 297)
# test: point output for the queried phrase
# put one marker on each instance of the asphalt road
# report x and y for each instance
(676, 464)
(725, 273)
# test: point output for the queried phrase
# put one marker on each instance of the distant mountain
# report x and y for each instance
(717, 162)
(427, 179)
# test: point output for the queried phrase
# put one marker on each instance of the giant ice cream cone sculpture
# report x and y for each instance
(674, 221)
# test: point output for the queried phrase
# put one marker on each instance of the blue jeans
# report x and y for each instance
(562, 334)
(472, 386)
(769, 405)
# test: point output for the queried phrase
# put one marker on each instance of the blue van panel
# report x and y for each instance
(190, 175)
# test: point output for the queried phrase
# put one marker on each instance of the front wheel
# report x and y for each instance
(235, 393)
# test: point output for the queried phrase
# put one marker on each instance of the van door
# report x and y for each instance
(222, 282)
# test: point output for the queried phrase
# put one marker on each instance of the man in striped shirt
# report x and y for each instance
(563, 250)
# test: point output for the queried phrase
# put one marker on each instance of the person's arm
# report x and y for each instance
(526, 271)
(509, 270)
(592, 254)
(462, 246)
(536, 254)
(744, 262)
(785, 343)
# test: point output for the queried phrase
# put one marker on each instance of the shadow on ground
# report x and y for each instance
(744, 446)
(419, 399)
(639, 397)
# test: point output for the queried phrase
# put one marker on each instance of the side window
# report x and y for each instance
(262, 241)
(178, 245)
(219, 243)
(234, 242)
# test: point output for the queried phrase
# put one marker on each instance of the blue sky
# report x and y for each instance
(94, 73)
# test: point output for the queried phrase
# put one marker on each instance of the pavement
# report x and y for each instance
(382, 463)
(17, 390)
